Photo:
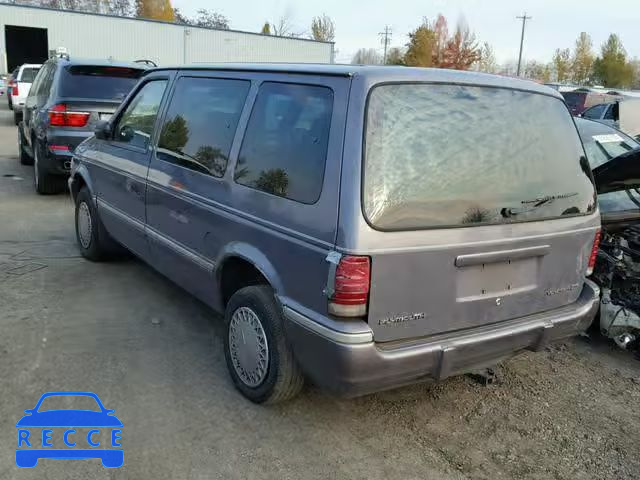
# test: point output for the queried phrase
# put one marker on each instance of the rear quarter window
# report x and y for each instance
(453, 155)
(28, 75)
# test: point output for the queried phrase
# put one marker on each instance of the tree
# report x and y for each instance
(635, 65)
(266, 29)
(367, 56)
(420, 47)
(582, 63)
(441, 37)
(611, 68)
(212, 158)
(155, 10)
(322, 28)
(210, 19)
(562, 64)
(174, 135)
(462, 50)
(537, 71)
(487, 62)
(275, 181)
(282, 28)
(395, 56)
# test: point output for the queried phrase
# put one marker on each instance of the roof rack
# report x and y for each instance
(150, 63)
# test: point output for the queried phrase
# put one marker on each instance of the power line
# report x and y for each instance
(524, 19)
(386, 39)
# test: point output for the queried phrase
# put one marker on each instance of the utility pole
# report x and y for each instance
(386, 39)
(524, 19)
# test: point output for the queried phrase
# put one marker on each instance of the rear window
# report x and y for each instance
(452, 155)
(574, 100)
(98, 82)
(28, 75)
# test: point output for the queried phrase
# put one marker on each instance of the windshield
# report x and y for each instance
(449, 155)
(28, 75)
(98, 82)
(603, 143)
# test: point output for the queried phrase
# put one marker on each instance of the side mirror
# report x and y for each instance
(103, 130)
(109, 411)
(28, 410)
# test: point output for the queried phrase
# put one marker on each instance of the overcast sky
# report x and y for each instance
(555, 23)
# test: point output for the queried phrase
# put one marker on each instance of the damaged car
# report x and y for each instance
(615, 160)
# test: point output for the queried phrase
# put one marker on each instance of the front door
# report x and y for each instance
(119, 166)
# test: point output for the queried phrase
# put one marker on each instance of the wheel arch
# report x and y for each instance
(241, 264)
(80, 178)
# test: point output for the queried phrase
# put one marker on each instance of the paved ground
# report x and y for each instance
(154, 355)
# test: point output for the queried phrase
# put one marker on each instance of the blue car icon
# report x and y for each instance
(31, 449)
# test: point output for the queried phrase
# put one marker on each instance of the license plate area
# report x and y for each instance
(105, 116)
(498, 279)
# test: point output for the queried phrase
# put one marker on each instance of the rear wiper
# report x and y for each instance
(530, 205)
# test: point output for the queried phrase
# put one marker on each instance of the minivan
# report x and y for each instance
(361, 227)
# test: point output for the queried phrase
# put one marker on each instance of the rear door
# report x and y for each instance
(479, 207)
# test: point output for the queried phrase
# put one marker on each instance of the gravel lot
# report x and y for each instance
(154, 355)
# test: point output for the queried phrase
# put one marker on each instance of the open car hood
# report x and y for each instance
(619, 173)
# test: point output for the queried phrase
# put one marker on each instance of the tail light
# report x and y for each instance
(594, 252)
(14, 89)
(351, 287)
(59, 116)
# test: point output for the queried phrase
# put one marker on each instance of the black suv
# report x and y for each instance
(67, 98)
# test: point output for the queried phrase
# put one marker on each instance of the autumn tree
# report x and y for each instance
(421, 46)
(462, 50)
(266, 29)
(582, 61)
(562, 64)
(322, 28)
(612, 68)
(441, 37)
(155, 10)
(367, 56)
(487, 62)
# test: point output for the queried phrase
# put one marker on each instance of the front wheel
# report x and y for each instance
(258, 356)
(94, 241)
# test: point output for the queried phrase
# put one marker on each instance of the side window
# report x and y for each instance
(135, 125)
(595, 112)
(284, 149)
(609, 114)
(47, 80)
(201, 122)
(35, 86)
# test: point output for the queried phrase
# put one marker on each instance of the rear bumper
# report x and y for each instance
(57, 161)
(350, 365)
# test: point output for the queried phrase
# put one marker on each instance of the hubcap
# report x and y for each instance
(248, 347)
(85, 226)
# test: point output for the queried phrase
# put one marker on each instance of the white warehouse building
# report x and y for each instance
(30, 34)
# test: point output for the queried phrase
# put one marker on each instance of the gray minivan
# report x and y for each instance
(363, 227)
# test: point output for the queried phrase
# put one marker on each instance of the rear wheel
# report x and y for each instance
(258, 356)
(45, 183)
(25, 159)
(94, 241)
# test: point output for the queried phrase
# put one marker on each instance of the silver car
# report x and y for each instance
(361, 227)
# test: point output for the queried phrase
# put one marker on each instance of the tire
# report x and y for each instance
(280, 378)
(25, 159)
(16, 118)
(94, 242)
(45, 183)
